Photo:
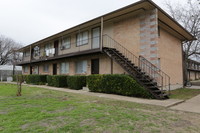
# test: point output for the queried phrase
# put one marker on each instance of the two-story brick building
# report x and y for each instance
(139, 30)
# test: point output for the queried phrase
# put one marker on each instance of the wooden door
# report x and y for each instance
(95, 66)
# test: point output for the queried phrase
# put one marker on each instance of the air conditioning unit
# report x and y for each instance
(62, 47)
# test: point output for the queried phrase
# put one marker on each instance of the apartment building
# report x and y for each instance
(140, 36)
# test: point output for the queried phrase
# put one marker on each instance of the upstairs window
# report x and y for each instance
(64, 68)
(46, 68)
(36, 51)
(47, 47)
(81, 67)
(82, 38)
(26, 53)
(66, 43)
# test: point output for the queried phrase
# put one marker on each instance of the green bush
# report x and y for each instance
(35, 79)
(76, 82)
(57, 80)
(116, 84)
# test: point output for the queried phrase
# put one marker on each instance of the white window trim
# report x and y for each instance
(80, 40)
(66, 69)
(83, 69)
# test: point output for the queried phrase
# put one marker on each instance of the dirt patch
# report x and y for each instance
(3, 112)
(49, 124)
(60, 110)
(87, 122)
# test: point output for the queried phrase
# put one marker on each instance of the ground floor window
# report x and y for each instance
(25, 69)
(35, 70)
(46, 68)
(81, 67)
(64, 68)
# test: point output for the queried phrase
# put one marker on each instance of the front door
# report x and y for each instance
(54, 69)
(56, 47)
(95, 66)
(95, 37)
(31, 69)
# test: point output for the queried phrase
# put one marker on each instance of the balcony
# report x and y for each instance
(58, 51)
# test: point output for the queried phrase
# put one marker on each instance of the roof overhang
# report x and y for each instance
(165, 21)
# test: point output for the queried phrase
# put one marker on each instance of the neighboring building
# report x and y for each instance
(139, 30)
(6, 72)
(193, 70)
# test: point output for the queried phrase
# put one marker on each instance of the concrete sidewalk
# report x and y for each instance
(191, 105)
(164, 103)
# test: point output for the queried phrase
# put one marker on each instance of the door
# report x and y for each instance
(95, 66)
(56, 47)
(96, 37)
(54, 69)
(31, 69)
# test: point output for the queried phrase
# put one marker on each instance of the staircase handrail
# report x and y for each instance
(153, 71)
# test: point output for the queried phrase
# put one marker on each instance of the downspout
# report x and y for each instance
(101, 47)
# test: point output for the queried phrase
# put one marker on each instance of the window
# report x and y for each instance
(82, 38)
(81, 66)
(66, 42)
(47, 47)
(36, 51)
(35, 70)
(64, 68)
(46, 68)
(26, 53)
(25, 69)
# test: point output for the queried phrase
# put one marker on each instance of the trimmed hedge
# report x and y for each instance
(116, 84)
(76, 82)
(35, 79)
(57, 80)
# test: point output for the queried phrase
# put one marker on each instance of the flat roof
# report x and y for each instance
(165, 20)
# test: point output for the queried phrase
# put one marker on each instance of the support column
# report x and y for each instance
(101, 34)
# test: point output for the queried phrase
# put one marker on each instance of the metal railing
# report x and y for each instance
(157, 75)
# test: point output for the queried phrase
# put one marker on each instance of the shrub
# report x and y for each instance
(35, 79)
(116, 84)
(57, 80)
(76, 82)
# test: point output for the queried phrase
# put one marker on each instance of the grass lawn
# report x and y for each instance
(184, 93)
(43, 110)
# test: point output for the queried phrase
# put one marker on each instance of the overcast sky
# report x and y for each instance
(27, 21)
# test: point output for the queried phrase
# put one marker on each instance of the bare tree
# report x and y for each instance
(188, 15)
(8, 49)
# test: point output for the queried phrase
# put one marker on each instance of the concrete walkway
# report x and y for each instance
(191, 105)
(164, 103)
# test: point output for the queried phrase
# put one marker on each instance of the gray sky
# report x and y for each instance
(27, 21)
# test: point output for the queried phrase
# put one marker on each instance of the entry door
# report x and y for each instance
(54, 69)
(95, 66)
(56, 47)
(95, 37)
(31, 69)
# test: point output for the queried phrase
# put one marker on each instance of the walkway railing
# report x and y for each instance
(158, 76)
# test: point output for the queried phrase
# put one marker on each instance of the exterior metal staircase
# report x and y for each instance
(144, 72)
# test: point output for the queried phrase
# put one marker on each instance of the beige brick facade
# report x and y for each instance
(139, 28)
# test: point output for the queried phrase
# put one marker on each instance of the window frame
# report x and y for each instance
(36, 52)
(66, 68)
(62, 42)
(25, 69)
(82, 65)
(81, 39)
(26, 54)
(46, 68)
